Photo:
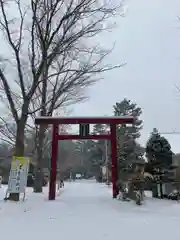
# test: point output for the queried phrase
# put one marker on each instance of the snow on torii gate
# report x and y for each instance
(84, 134)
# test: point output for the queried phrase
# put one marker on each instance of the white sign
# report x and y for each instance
(78, 175)
(18, 175)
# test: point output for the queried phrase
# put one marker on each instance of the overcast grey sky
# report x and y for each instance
(148, 39)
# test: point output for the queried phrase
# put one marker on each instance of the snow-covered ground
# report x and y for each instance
(85, 210)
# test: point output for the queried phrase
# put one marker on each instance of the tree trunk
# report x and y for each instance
(161, 189)
(19, 150)
(38, 183)
(131, 194)
(108, 177)
(154, 190)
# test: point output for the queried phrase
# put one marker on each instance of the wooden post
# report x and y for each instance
(114, 161)
(53, 170)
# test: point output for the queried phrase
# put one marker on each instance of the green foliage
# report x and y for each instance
(159, 156)
(129, 151)
(158, 150)
(128, 108)
(95, 157)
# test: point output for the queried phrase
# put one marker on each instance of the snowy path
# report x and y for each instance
(85, 210)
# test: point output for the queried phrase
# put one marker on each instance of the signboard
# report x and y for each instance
(78, 175)
(18, 175)
(84, 130)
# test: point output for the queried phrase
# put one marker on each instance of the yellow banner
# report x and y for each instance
(19, 161)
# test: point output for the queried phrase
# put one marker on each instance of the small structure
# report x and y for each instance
(78, 176)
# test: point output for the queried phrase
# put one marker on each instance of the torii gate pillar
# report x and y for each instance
(56, 121)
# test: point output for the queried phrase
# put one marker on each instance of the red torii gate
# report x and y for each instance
(84, 134)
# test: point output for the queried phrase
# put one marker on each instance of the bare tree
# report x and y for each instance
(42, 40)
(77, 63)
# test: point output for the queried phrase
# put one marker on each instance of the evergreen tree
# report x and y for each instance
(159, 156)
(129, 151)
(98, 153)
(128, 108)
(158, 150)
(85, 149)
(100, 144)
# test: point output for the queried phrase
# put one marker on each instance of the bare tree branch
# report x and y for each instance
(56, 32)
(7, 131)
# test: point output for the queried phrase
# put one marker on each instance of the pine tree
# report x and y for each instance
(159, 156)
(128, 108)
(129, 151)
(100, 129)
(158, 150)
